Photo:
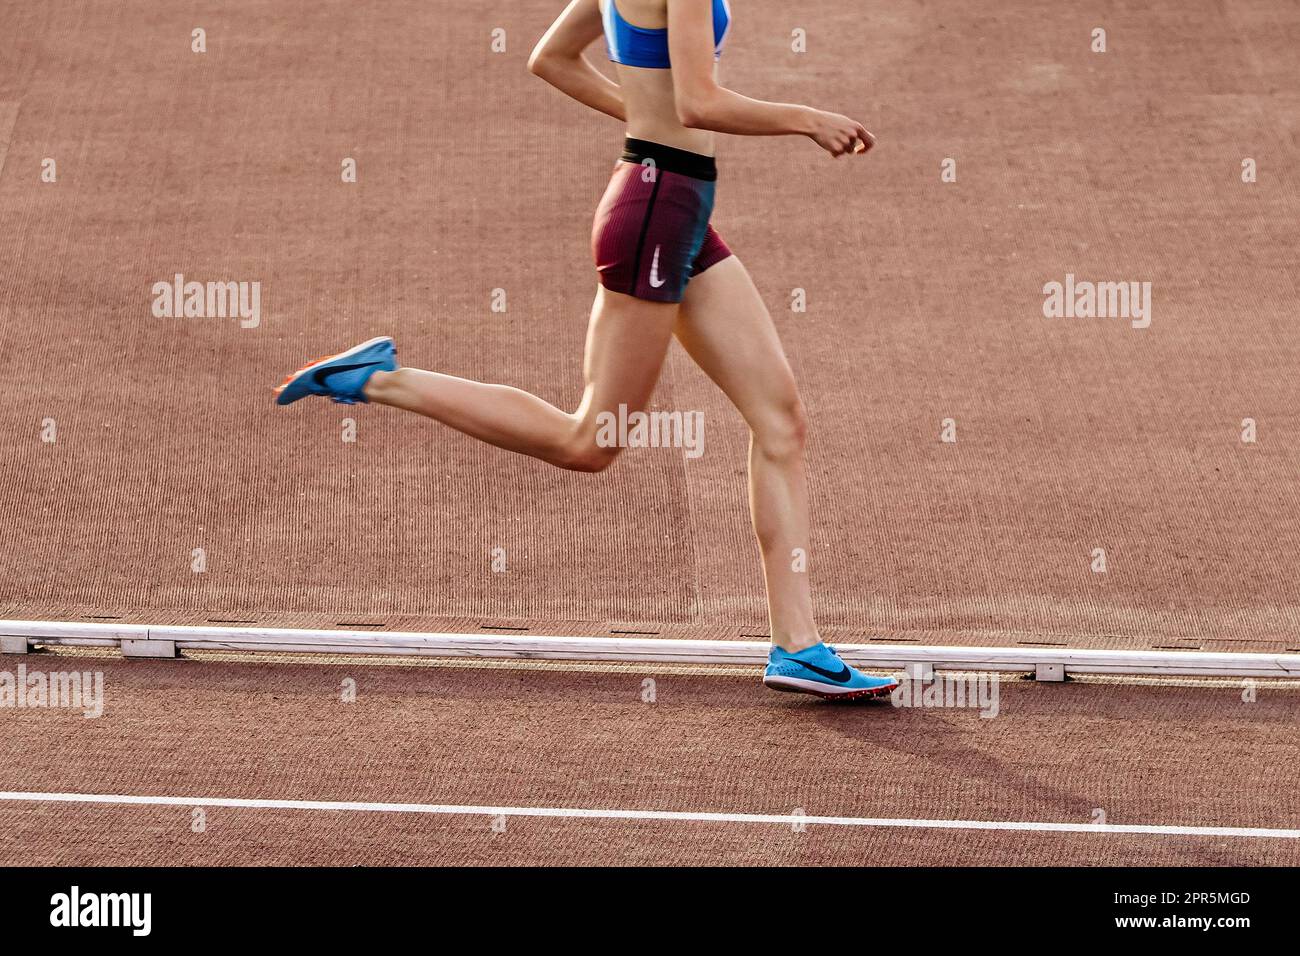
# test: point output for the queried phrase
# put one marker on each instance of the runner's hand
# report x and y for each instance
(839, 135)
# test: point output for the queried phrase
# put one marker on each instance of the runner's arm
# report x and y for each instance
(558, 59)
(703, 104)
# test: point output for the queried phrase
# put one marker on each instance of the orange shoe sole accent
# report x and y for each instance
(316, 361)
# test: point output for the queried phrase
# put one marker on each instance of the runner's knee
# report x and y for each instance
(582, 453)
(782, 431)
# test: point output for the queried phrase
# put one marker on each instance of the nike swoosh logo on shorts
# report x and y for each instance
(655, 281)
(840, 677)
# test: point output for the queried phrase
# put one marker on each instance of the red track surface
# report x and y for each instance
(541, 738)
(924, 303)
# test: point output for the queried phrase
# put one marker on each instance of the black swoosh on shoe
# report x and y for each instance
(321, 374)
(842, 677)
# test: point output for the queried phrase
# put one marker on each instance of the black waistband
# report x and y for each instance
(670, 159)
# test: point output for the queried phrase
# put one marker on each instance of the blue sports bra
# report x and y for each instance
(639, 46)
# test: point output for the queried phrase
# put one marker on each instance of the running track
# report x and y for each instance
(924, 304)
(456, 746)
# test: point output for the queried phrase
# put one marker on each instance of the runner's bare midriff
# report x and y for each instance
(648, 94)
(652, 113)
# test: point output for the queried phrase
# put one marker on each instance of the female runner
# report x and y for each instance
(663, 271)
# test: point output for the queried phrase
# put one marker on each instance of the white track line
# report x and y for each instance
(701, 817)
